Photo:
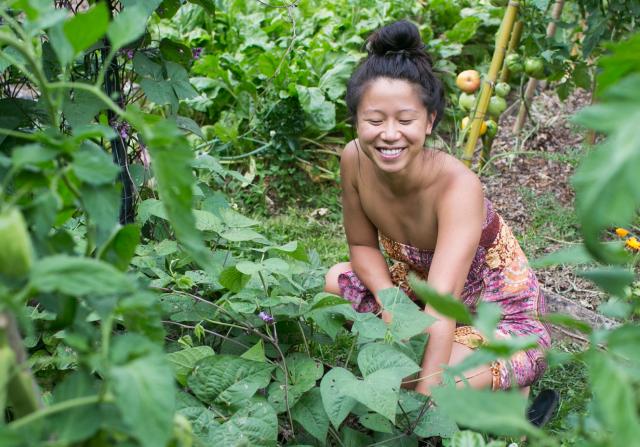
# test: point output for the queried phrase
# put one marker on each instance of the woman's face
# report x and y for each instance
(392, 123)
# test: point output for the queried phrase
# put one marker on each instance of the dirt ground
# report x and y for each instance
(548, 130)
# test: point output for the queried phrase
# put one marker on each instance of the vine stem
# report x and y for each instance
(57, 408)
(91, 88)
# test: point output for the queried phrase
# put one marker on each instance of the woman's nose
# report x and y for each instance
(390, 131)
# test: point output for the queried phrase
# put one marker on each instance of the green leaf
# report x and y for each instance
(310, 413)
(303, 370)
(255, 353)
(92, 165)
(500, 413)
(567, 321)
(575, 254)
(145, 395)
(336, 403)
(233, 280)
(184, 361)
(408, 319)
(487, 317)
(443, 304)
(175, 51)
(75, 424)
(228, 380)
(615, 397)
(243, 235)
(119, 250)
(435, 422)
(464, 30)
(256, 424)
(85, 28)
(129, 24)
(319, 112)
(467, 439)
(613, 280)
(79, 276)
(102, 204)
(31, 154)
(189, 125)
(172, 158)
(377, 356)
(605, 182)
(208, 5)
(81, 108)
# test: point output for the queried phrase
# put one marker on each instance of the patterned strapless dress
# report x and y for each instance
(500, 274)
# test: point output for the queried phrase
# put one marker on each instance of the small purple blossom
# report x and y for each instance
(197, 52)
(123, 129)
(266, 317)
(130, 53)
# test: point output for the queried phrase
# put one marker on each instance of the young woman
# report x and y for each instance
(427, 210)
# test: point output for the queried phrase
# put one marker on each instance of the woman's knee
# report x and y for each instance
(331, 278)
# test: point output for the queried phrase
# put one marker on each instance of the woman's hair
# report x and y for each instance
(396, 51)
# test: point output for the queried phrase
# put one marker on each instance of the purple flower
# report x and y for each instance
(196, 52)
(144, 156)
(123, 129)
(266, 317)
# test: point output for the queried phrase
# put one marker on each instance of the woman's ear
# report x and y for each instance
(431, 117)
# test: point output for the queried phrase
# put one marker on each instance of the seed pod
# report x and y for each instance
(16, 252)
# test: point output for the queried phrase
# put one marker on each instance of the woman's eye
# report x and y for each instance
(374, 122)
(406, 122)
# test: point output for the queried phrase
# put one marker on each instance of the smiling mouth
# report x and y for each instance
(390, 152)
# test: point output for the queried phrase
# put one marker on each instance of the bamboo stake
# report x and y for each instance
(513, 46)
(533, 83)
(489, 81)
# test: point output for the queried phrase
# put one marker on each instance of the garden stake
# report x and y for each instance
(533, 83)
(489, 81)
(513, 46)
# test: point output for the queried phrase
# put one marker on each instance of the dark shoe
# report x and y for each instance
(543, 407)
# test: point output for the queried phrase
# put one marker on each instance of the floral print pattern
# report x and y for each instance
(500, 274)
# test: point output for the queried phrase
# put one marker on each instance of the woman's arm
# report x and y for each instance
(460, 212)
(362, 236)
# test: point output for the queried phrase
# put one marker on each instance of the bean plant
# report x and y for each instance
(138, 306)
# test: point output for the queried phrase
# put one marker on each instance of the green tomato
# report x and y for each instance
(16, 252)
(492, 129)
(502, 89)
(466, 101)
(513, 62)
(534, 67)
(497, 105)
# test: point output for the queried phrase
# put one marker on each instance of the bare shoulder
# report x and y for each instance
(457, 184)
(348, 162)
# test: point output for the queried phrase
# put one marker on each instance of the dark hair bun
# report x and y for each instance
(395, 38)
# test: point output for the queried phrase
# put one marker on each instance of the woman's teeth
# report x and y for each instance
(390, 152)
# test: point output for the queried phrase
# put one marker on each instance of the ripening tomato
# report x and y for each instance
(468, 81)
(492, 128)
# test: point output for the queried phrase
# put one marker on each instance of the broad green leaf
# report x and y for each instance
(145, 395)
(256, 424)
(573, 255)
(208, 5)
(377, 356)
(119, 250)
(85, 28)
(336, 403)
(467, 439)
(203, 421)
(303, 370)
(567, 321)
(618, 63)
(464, 30)
(178, 78)
(378, 391)
(433, 422)
(443, 304)
(255, 353)
(172, 157)
(408, 319)
(228, 380)
(376, 422)
(605, 182)
(615, 397)
(310, 413)
(31, 154)
(81, 108)
(500, 413)
(329, 301)
(129, 24)
(612, 280)
(487, 317)
(79, 276)
(233, 280)
(102, 204)
(243, 235)
(184, 361)
(369, 326)
(175, 52)
(189, 125)
(78, 423)
(319, 112)
(91, 164)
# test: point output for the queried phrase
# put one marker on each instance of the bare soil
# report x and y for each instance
(516, 164)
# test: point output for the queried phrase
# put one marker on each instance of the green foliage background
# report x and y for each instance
(188, 326)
